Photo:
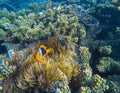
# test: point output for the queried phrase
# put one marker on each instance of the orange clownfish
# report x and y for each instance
(41, 53)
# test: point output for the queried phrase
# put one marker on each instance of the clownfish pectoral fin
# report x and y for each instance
(48, 51)
(41, 60)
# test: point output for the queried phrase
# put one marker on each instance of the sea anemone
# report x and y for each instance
(60, 68)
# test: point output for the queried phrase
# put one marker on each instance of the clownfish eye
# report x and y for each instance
(43, 51)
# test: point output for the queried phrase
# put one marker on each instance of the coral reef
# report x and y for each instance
(83, 54)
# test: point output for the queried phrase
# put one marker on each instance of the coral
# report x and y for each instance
(82, 15)
(9, 15)
(5, 23)
(85, 55)
(27, 26)
(114, 83)
(25, 20)
(89, 83)
(4, 12)
(107, 65)
(12, 17)
(2, 34)
(63, 88)
(23, 12)
(82, 32)
(38, 7)
(34, 7)
(84, 89)
(96, 85)
(20, 33)
(86, 74)
(6, 68)
(105, 50)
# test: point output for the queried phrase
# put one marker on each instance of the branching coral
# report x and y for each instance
(2, 33)
(89, 83)
(86, 74)
(43, 24)
(105, 50)
(85, 55)
(25, 20)
(5, 23)
(97, 85)
(107, 65)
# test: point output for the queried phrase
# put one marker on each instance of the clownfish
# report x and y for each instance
(41, 53)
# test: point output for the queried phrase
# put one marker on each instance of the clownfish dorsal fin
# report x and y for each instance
(43, 46)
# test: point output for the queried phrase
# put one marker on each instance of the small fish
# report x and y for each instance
(42, 53)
